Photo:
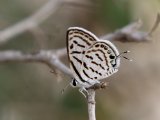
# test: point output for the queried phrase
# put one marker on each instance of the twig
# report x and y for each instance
(49, 58)
(131, 32)
(30, 22)
(91, 98)
(91, 104)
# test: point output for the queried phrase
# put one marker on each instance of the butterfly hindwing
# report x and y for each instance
(98, 61)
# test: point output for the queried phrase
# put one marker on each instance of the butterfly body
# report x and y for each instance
(91, 59)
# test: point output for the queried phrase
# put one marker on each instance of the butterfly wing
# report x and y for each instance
(100, 61)
(78, 41)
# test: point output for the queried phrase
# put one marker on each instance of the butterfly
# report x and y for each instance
(91, 59)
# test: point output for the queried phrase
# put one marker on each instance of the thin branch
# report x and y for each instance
(132, 32)
(29, 23)
(91, 104)
(129, 33)
(49, 58)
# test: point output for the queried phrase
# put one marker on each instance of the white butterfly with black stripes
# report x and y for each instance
(91, 59)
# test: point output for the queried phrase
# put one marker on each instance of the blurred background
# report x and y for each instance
(29, 91)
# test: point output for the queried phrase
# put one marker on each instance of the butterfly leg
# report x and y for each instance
(82, 89)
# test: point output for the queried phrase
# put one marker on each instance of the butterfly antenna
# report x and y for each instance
(123, 53)
(120, 55)
(127, 58)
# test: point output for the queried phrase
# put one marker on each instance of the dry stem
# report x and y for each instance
(91, 104)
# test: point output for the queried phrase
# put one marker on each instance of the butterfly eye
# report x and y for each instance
(111, 57)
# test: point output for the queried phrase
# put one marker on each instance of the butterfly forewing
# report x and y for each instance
(97, 62)
(78, 41)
